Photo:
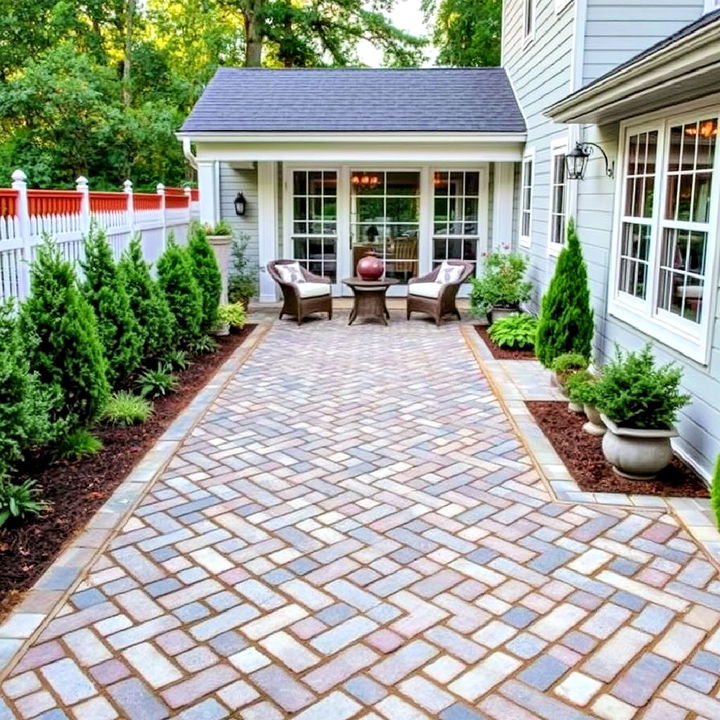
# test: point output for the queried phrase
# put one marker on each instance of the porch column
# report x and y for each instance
(208, 190)
(267, 226)
(503, 188)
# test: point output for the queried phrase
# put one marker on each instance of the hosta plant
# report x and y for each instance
(178, 360)
(19, 501)
(125, 409)
(516, 332)
(158, 382)
(233, 315)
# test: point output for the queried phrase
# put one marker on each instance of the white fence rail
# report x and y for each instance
(66, 215)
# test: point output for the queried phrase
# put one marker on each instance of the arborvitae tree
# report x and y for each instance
(24, 402)
(566, 318)
(105, 290)
(148, 303)
(175, 276)
(62, 343)
(207, 274)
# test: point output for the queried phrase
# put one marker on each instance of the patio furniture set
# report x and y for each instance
(305, 293)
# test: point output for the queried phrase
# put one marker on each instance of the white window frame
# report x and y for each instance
(528, 29)
(688, 338)
(529, 155)
(558, 146)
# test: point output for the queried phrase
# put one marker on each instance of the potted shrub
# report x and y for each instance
(242, 283)
(233, 315)
(563, 367)
(639, 402)
(220, 237)
(582, 390)
(501, 289)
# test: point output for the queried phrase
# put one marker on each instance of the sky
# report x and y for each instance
(408, 16)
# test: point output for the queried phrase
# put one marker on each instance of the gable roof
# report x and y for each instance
(474, 100)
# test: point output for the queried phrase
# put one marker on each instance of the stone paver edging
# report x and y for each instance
(68, 569)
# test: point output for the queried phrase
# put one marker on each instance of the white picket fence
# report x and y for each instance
(66, 215)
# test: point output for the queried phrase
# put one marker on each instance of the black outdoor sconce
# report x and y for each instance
(576, 160)
(240, 204)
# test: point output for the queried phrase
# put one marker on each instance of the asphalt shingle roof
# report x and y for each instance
(354, 99)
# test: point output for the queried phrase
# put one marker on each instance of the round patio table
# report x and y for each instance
(369, 298)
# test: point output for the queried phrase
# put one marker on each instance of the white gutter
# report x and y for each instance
(187, 152)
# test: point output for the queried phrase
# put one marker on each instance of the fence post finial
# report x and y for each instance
(18, 177)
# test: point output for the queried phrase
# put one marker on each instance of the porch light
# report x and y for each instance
(240, 204)
(576, 160)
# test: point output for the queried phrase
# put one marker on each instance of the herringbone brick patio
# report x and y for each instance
(353, 530)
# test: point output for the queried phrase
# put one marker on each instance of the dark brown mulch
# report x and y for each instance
(502, 353)
(582, 454)
(77, 489)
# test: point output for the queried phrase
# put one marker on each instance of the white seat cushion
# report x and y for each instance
(448, 273)
(311, 289)
(290, 273)
(426, 289)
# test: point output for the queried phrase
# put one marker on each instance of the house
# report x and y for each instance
(433, 163)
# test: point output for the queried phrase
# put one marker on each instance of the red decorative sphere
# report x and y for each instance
(370, 266)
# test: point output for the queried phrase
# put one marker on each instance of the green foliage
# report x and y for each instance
(566, 318)
(178, 360)
(124, 409)
(24, 402)
(715, 492)
(501, 283)
(104, 289)
(203, 345)
(207, 274)
(182, 292)
(635, 393)
(515, 331)
(233, 315)
(569, 362)
(582, 388)
(468, 32)
(19, 501)
(242, 280)
(158, 382)
(78, 444)
(61, 339)
(147, 302)
(221, 227)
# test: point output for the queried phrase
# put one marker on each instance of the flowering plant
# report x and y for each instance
(501, 284)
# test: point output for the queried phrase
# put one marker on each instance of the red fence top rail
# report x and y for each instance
(108, 202)
(147, 201)
(173, 202)
(195, 194)
(54, 202)
(8, 203)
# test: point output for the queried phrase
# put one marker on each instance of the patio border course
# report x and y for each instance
(58, 582)
(694, 514)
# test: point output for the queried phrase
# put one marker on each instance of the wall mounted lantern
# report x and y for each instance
(240, 204)
(576, 160)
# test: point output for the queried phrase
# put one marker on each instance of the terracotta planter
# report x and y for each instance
(594, 425)
(370, 267)
(637, 454)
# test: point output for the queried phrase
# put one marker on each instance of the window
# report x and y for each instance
(668, 230)
(456, 208)
(528, 19)
(526, 200)
(314, 220)
(558, 195)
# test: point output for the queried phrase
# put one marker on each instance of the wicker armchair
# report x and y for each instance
(421, 299)
(294, 303)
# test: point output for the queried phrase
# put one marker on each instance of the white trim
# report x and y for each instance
(528, 33)
(503, 194)
(267, 226)
(404, 137)
(558, 146)
(689, 339)
(561, 5)
(529, 154)
(577, 64)
(711, 5)
(208, 191)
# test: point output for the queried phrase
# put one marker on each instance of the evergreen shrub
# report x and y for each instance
(207, 274)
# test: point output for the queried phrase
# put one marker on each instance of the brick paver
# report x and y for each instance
(353, 530)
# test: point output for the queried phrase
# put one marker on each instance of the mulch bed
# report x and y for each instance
(77, 489)
(501, 353)
(582, 454)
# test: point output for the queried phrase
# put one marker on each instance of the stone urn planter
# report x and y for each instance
(498, 313)
(594, 425)
(636, 454)
(221, 245)
(370, 267)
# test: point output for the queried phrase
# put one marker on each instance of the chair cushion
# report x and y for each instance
(425, 289)
(311, 289)
(290, 273)
(449, 273)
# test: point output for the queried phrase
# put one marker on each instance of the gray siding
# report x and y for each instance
(616, 30)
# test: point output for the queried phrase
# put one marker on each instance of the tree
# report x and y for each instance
(24, 402)
(468, 32)
(147, 301)
(566, 319)
(104, 289)
(62, 343)
(207, 274)
(175, 276)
